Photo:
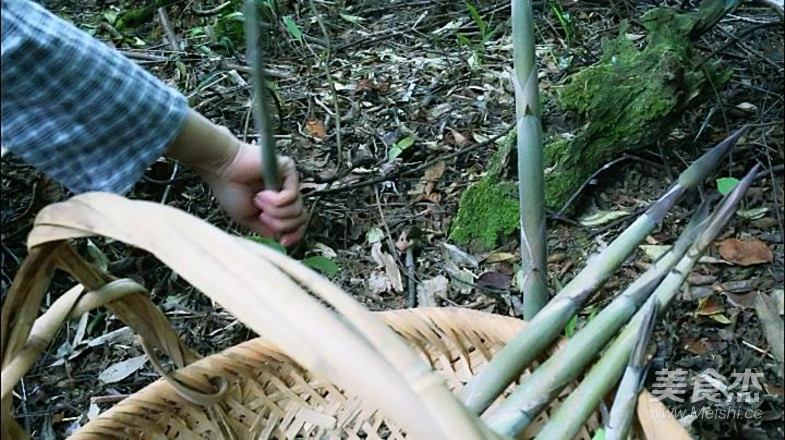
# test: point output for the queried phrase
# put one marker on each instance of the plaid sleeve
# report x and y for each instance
(75, 108)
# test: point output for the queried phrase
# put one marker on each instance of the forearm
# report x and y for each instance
(203, 146)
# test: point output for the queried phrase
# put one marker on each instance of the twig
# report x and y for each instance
(143, 56)
(171, 38)
(390, 243)
(733, 39)
(777, 5)
(111, 398)
(424, 165)
(616, 222)
(586, 182)
(203, 12)
(272, 73)
(326, 64)
(111, 29)
(25, 410)
(168, 188)
(412, 285)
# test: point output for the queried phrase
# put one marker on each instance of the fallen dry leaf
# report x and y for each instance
(459, 257)
(378, 282)
(386, 261)
(120, 370)
(316, 129)
(773, 326)
(497, 257)
(557, 257)
(494, 280)
(745, 301)
(741, 286)
(779, 298)
(696, 347)
(774, 389)
(701, 280)
(710, 306)
(656, 421)
(432, 176)
(454, 138)
(431, 289)
(655, 251)
(363, 84)
(745, 252)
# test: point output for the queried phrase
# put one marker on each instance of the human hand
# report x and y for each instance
(239, 189)
(233, 170)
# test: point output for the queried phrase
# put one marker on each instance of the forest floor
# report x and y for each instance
(431, 72)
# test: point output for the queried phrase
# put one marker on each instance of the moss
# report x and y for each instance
(629, 100)
(487, 208)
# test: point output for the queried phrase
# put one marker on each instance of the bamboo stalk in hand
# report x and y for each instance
(259, 86)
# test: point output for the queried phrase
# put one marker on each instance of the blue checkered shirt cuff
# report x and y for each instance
(76, 109)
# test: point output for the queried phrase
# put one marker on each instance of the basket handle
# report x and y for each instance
(24, 337)
(265, 291)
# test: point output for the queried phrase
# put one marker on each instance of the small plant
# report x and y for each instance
(486, 34)
(319, 263)
(564, 20)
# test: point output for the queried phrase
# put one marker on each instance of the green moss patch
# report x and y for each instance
(489, 208)
(629, 100)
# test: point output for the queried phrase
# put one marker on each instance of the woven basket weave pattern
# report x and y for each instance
(270, 397)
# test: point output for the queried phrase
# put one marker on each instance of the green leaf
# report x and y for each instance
(398, 148)
(406, 142)
(464, 40)
(593, 314)
(726, 184)
(599, 434)
(476, 17)
(267, 242)
(322, 264)
(351, 18)
(234, 16)
(293, 29)
(96, 255)
(375, 235)
(569, 330)
(110, 15)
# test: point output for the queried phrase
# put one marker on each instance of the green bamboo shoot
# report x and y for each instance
(508, 364)
(574, 411)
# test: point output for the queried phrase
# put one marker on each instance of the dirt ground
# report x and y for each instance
(432, 71)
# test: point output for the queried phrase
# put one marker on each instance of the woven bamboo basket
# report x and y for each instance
(297, 381)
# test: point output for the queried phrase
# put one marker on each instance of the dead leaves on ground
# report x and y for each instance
(745, 252)
(425, 189)
(316, 129)
(773, 326)
(393, 277)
